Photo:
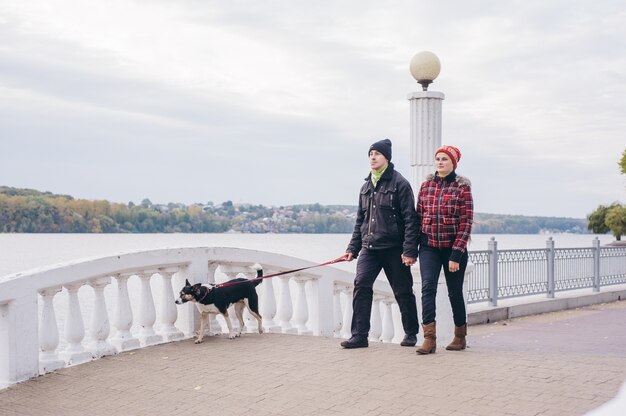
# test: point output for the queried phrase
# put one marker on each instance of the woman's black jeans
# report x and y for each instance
(431, 261)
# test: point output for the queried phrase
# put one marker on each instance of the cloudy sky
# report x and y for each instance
(276, 102)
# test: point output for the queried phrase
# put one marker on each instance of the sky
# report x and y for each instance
(277, 102)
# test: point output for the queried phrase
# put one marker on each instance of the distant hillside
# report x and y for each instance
(32, 211)
(518, 224)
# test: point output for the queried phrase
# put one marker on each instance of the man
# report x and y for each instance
(384, 237)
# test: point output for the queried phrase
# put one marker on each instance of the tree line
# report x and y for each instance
(31, 211)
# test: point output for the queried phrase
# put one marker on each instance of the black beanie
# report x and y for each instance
(382, 146)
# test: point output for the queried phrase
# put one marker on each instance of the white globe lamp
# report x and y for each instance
(425, 67)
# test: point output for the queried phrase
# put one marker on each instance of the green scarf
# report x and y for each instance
(377, 174)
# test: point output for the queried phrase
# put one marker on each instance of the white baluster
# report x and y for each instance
(301, 315)
(285, 307)
(267, 304)
(250, 321)
(100, 326)
(346, 329)
(147, 313)
(397, 323)
(74, 353)
(49, 334)
(337, 314)
(168, 307)
(388, 330)
(215, 326)
(123, 318)
(211, 272)
(231, 271)
(376, 325)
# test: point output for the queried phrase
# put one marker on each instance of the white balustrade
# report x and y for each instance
(147, 313)
(34, 340)
(388, 330)
(100, 326)
(49, 333)
(123, 318)
(285, 307)
(301, 315)
(169, 312)
(376, 324)
(74, 352)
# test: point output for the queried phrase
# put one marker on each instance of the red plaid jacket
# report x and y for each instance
(445, 211)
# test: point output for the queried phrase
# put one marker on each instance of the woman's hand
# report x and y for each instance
(453, 266)
(408, 261)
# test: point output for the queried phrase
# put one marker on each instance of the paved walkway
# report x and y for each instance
(562, 363)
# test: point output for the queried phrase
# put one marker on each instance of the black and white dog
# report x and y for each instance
(212, 299)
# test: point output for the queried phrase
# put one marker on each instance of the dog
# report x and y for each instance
(212, 299)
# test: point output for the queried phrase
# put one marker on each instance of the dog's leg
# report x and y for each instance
(239, 306)
(258, 319)
(208, 324)
(253, 306)
(231, 334)
(203, 318)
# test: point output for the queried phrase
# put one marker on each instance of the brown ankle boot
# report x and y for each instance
(458, 343)
(430, 339)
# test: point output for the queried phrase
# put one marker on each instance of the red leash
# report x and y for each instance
(337, 260)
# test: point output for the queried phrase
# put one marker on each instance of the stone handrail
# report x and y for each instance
(317, 301)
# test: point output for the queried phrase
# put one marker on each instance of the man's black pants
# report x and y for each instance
(369, 265)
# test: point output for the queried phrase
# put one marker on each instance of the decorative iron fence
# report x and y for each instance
(501, 274)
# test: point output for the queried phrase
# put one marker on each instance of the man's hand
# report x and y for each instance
(348, 256)
(408, 261)
(453, 266)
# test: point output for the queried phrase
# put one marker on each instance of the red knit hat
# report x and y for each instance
(453, 153)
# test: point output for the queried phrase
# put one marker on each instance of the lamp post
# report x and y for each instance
(425, 140)
(425, 113)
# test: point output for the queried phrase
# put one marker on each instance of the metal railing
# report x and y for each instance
(502, 274)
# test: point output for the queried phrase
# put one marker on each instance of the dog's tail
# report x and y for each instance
(259, 273)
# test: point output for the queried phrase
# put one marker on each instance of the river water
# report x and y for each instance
(20, 252)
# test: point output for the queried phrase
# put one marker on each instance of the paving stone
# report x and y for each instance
(562, 363)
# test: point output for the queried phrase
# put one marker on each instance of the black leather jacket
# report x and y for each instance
(386, 216)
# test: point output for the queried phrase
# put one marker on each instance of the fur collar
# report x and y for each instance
(462, 180)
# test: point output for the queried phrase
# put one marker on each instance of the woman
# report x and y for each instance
(445, 214)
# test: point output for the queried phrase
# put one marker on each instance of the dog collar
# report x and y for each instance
(206, 292)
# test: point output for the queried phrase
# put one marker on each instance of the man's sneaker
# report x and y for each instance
(355, 342)
(409, 340)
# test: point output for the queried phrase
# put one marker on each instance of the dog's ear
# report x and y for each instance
(187, 282)
(197, 287)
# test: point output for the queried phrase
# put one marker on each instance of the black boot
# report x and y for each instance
(355, 342)
(409, 340)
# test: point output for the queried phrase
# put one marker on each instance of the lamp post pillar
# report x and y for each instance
(425, 133)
